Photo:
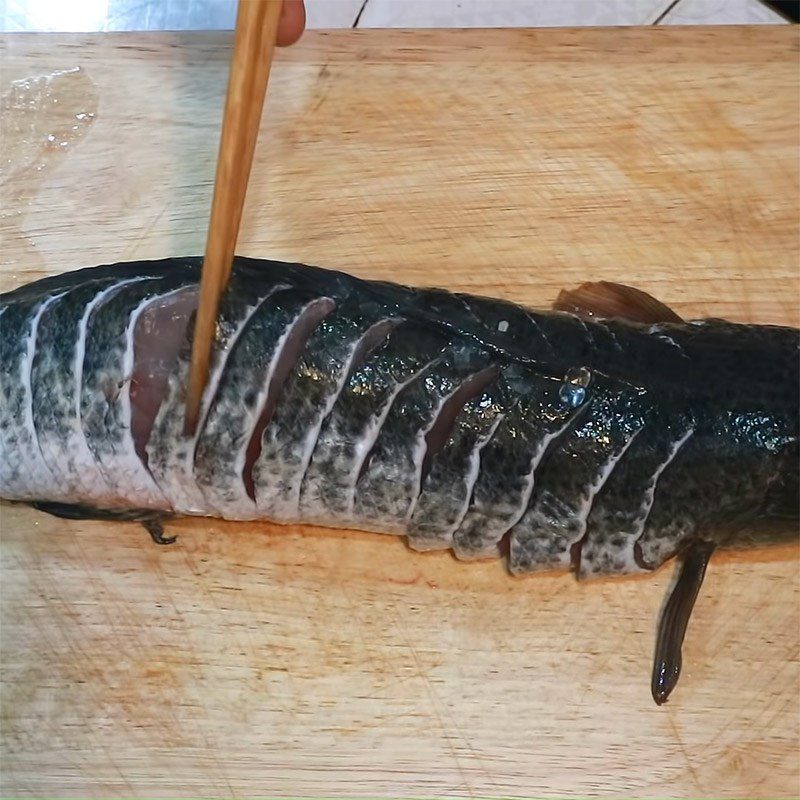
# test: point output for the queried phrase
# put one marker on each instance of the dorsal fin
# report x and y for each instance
(614, 300)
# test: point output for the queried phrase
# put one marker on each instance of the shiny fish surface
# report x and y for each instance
(559, 439)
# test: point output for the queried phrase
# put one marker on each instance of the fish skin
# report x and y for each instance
(738, 384)
(450, 485)
(333, 351)
(574, 471)
(510, 460)
(388, 489)
(23, 471)
(171, 454)
(621, 508)
(234, 410)
(105, 405)
(328, 490)
(55, 395)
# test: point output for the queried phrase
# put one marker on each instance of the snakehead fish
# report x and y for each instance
(605, 436)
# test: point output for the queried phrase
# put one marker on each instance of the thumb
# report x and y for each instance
(292, 22)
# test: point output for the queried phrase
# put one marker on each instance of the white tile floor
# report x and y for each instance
(721, 12)
(95, 15)
(508, 13)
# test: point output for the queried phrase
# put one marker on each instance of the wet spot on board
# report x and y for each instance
(42, 118)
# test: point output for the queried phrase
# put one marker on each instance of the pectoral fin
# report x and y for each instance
(675, 618)
(151, 520)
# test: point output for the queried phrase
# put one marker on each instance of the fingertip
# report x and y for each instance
(292, 22)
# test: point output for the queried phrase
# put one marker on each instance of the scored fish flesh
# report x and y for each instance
(607, 435)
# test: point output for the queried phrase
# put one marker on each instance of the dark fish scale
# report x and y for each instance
(308, 397)
(171, 453)
(329, 482)
(235, 408)
(508, 326)
(739, 382)
(24, 472)
(55, 392)
(447, 491)
(534, 415)
(553, 342)
(105, 403)
(690, 498)
(386, 492)
(571, 474)
(621, 507)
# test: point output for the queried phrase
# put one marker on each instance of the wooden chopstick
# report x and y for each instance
(254, 45)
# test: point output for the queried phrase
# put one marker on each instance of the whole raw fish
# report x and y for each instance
(606, 436)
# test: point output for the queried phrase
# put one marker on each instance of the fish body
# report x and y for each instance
(564, 438)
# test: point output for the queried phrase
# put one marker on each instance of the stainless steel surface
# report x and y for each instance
(116, 15)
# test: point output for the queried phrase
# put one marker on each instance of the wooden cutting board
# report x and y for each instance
(251, 659)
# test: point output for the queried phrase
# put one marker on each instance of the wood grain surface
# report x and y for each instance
(251, 659)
